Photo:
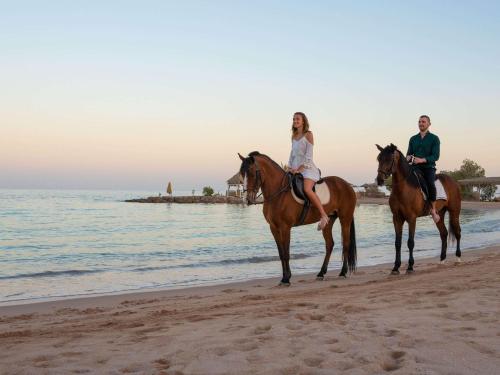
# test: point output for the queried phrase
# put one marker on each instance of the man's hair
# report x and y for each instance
(427, 117)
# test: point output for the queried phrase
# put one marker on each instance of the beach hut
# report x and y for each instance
(235, 186)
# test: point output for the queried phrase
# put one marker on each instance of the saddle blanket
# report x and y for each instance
(322, 192)
(440, 192)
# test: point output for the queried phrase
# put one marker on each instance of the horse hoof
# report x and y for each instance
(282, 283)
(458, 260)
(343, 275)
(394, 272)
(443, 262)
(320, 278)
(409, 272)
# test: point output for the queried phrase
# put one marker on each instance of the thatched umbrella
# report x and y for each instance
(169, 188)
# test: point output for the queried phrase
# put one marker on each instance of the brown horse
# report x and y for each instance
(282, 212)
(407, 203)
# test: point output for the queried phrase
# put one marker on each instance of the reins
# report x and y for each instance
(258, 181)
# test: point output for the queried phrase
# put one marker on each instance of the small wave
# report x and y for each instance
(262, 259)
(255, 259)
(50, 274)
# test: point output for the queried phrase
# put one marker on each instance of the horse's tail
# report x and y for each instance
(352, 254)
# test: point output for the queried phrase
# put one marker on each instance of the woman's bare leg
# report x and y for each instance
(308, 185)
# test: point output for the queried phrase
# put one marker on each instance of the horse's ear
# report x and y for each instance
(394, 147)
(379, 147)
(241, 157)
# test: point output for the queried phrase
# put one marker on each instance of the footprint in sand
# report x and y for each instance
(338, 349)
(390, 332)
(310, 317)
(262, 329)
(468, 328)
(220, 351)
(133, 367)
(291, 370)
(71, 354)
(331, 341)
(42, 361)
(294, 327)
(247, 346)
(313, 362)
(481, 348)
(307, 304)
(394, 361)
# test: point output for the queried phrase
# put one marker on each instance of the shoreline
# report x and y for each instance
(441, 319)
(79, 299)
(105, 299)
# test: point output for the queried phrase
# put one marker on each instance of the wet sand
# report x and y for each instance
(439, 320)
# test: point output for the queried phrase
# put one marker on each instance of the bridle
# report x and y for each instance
(258, 184)
(391, 168)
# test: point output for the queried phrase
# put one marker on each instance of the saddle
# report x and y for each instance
(297, 187)
(440, 190)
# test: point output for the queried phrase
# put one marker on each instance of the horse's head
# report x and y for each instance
(252, 177)
(387, 159)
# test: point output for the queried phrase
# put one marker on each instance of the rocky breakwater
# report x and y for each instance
(189, 199)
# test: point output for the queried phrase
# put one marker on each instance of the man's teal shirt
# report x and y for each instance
(427, 147)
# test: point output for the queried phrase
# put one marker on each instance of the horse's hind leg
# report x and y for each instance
(443, 233)
(345, 225)
(329, 243)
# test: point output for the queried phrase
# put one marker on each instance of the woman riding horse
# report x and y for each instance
(283, 212)
(301, 161)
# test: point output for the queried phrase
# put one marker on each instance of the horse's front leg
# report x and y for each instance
(398, 229)
(412, 223)
(329, 243)
(285, 243)
(284, 252)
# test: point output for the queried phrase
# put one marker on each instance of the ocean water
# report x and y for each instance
(56, 244)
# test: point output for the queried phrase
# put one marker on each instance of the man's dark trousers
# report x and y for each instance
(430, 179)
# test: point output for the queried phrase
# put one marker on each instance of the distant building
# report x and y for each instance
(235, 186)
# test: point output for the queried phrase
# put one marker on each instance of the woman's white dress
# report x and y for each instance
(302, 154)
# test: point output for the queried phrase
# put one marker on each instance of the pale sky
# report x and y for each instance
(133, 94)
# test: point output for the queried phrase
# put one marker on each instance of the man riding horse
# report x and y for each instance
(423, 152)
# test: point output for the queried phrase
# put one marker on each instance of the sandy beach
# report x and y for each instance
(444, 319)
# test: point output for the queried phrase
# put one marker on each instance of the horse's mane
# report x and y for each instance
(245, 165)
(405, 166)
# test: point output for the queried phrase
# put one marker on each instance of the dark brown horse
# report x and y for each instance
(282, 212)
(407, 203)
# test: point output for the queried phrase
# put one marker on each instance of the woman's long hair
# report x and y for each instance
(305, 121)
